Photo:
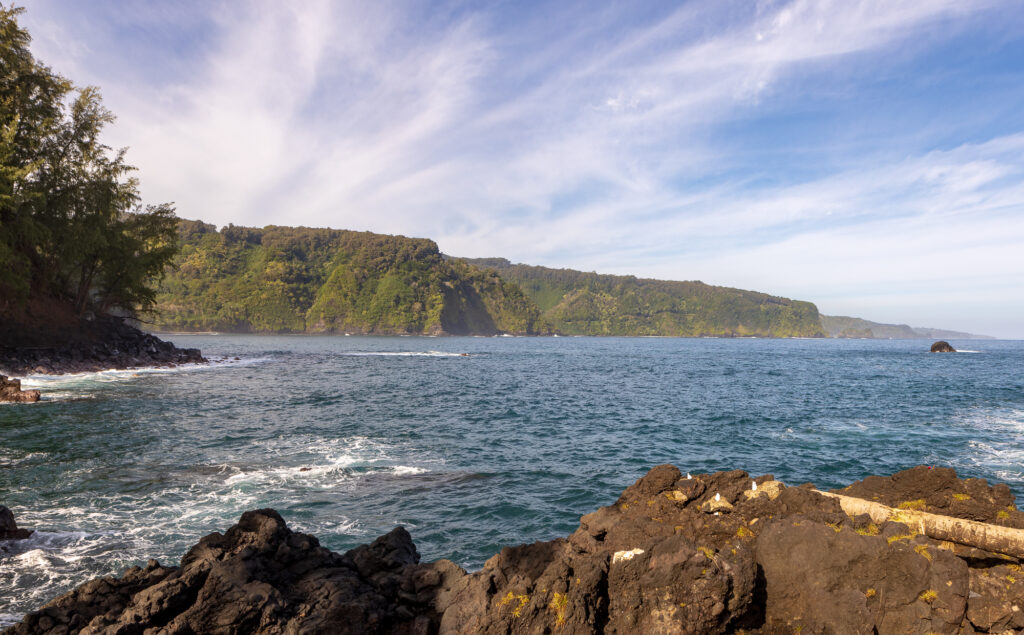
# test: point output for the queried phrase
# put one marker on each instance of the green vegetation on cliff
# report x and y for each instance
(580, 303)
(298, 279)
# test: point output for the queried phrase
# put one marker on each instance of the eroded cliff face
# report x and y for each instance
(711, 553)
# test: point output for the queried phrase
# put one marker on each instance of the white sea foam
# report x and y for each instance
(117, 530)
(296, 466)
(76, 386)
(403, 470)
(9, 459)
(126, 374)
(401, 354)
(998, 443)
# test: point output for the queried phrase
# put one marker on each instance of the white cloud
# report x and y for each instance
(596, 149)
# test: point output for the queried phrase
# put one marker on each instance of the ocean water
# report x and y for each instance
(470, 443)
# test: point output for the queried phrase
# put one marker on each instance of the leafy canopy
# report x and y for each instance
(71, 227)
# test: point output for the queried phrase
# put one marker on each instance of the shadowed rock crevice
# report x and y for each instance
(711, 553)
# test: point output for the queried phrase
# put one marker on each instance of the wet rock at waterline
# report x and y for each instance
(714, 553)
(86, 346)
(942, 346)
(10, 391)
(8, 528)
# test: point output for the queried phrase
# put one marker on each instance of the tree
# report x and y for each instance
(71, 226)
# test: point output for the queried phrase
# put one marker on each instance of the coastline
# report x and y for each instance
(704, 553)
(160, 333)
(106, 343)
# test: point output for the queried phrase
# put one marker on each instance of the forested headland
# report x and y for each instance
(852, 327)
(305, 280)
(581, 303)
(299, 279)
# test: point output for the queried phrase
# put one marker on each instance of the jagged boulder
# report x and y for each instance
(10, 390)
(8, 528)
(942, 346)
(662, 559)
(258, 577)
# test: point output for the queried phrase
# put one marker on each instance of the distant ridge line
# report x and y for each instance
(842, 326)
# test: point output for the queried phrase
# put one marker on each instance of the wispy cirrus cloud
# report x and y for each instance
(792, 147)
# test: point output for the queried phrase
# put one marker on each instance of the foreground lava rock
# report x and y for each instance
(10, 391)
(86, 346)
(712, 553)
(942, 346)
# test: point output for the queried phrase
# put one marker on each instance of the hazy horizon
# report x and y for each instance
(865, 156)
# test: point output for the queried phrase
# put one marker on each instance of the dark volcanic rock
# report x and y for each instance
(8, 528)
(10, 390)
(938, 490)
(942, 346)
(819, 577)
(997, 599)
(99, 344)
(259, 577)
(707, 554)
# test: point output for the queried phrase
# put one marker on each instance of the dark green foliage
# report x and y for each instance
(298, 279)
(579, 303)
(71, 231)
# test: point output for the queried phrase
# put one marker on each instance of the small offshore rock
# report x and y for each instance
(10, 391)
(8, 528)
(942, 346)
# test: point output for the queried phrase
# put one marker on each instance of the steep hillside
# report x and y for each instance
(844, 326)
(579, 303)
(297, 279)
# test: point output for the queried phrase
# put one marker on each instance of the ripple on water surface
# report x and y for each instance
(471, 443)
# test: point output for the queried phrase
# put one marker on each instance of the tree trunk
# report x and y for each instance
(996, 538)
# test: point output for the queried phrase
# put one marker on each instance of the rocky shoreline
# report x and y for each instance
(102, 344)
(10, 391)
(708, 553)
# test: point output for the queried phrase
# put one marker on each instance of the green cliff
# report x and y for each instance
(580, 303)
(851, 327)
(297, 279)
(302, 280)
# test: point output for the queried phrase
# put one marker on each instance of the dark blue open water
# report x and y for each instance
(349, 436)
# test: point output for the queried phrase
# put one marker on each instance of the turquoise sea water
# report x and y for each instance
(349, 436)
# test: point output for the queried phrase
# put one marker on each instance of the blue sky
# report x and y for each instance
(865, 155)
